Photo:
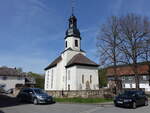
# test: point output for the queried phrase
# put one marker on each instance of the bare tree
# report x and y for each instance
(107, 44)
(146, 55)
(134, 30)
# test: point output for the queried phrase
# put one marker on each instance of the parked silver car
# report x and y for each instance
(34, 95)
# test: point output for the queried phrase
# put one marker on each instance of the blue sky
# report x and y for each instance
(32, 31)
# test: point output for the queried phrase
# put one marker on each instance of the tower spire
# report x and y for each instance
(72, 30)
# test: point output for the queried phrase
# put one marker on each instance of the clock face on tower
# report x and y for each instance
(71, 25)
(70, 31)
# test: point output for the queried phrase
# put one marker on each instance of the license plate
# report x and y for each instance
(119, 102)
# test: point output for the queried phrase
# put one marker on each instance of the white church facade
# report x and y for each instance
(72, 70)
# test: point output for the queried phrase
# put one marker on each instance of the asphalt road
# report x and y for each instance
(71, 108)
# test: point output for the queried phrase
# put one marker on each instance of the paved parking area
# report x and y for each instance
(71, 108)
(10, 105)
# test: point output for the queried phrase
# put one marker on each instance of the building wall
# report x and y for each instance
(129, 82)
(142, 85)
(101, 93)
(60, 77)
(55, 77)
(71, 43)
(87, 72)
(50, 79)
(71, 78)
(11, 81)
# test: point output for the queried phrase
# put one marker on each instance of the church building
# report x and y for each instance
(72, 70)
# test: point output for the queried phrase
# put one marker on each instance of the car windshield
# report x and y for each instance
(38, 91)
(128, 93)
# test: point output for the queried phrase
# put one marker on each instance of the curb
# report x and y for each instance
(106, 103)
(101, 104)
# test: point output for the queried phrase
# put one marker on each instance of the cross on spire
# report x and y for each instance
(73, 30)
(72, 6)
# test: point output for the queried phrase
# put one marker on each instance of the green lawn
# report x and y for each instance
(83, 100)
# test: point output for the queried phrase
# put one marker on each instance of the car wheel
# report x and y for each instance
(146, 102)
(134, 105)
(35, 101)
(115, 104)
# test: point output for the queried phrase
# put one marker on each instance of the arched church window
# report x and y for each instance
(82, 79)
(68, 74)
(76, 43)
(66, 44)
(90, 78)
(68, 87)
(52, 79)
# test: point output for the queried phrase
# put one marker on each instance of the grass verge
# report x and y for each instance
(83, 100)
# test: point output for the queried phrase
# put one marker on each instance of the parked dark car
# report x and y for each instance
(34, 95)
(131, 98)
(2, 88)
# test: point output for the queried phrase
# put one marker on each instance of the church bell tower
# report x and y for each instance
(72, 38)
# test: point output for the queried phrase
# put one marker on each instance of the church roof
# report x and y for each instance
(80, 59)
(127, 69)
(54, 63)
(73, 50)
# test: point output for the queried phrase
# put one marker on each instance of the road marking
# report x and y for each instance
(91, 110)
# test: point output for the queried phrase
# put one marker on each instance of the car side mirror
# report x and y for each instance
(134, 95)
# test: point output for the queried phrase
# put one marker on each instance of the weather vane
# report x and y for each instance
(72, 6)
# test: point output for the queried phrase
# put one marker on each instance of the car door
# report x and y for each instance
(142, 95)
(30, 95)
(26, 95)
(23, 94)
(140, 98)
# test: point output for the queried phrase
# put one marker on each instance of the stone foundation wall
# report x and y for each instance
(102, 93)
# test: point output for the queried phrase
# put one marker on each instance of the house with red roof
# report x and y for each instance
(126, 75)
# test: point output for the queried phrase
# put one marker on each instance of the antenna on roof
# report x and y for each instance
(72, 6)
